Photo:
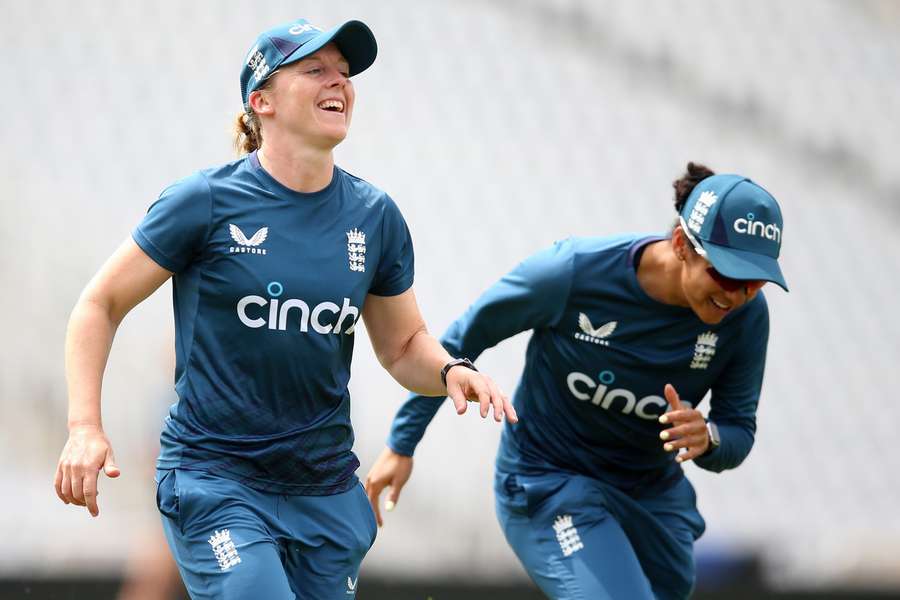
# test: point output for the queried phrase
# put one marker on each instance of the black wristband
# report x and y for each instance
(456, 362)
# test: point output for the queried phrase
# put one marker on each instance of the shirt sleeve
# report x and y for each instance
(735, 395)
(396, 266)
(176, 227)
(531, 296)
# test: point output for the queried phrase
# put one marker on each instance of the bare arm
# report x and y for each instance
(415, 358)
(127, 278)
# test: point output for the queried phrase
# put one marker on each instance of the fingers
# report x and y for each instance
(684, 441)
(679, 417)
(57, 484)
(511, 415)
(90, 493)
(672, 397)
(690, 435)
(78, 471)
(691, 454)
(65, 486)
(109, 465)
(454, 390)
(393, 496)
(688, 431)
(498, 400)
(466, 385)
(484, 402)
(373, 491)
(77, 489)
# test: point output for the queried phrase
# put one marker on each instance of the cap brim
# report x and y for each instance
(354, 39)
(741, 264)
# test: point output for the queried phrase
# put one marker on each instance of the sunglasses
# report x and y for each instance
(726, 283)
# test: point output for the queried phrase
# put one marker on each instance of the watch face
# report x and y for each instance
(713, 433)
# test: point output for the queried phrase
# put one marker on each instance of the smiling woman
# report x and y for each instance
(589, 489)
(256, 475)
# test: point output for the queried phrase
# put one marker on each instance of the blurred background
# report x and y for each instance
(498, 127)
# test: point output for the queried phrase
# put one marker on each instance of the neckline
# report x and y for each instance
(282, 190)
(636, 246)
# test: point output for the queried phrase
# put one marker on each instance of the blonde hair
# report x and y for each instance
(247, 132)
(248, 127)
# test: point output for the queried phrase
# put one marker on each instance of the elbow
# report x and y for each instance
(93, 309)
(392, 356)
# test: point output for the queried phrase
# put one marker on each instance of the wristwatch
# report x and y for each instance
(456, 362)
(714, 439)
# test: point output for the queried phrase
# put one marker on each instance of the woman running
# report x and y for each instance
(630, 333)
(274, 258)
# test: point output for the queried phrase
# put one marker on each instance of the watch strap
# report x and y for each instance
(456, 362)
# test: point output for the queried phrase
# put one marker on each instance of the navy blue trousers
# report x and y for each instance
(581, 539)
(234, 542)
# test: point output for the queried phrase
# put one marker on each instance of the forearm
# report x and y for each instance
(88, 341)
(418, 366)
(414, 416)
(736, 443)
(411, 421)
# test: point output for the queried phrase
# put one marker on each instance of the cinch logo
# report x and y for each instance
(584, 388)
(281, 311)
(302, 28)
(750, 226)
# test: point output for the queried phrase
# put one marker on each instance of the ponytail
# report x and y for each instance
(685, 185)
(247, 132)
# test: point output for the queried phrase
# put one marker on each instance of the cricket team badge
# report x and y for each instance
(356, 250)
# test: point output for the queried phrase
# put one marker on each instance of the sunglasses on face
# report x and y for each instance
(726, 283)
(732, 285)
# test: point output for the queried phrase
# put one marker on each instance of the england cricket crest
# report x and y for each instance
(704, 350)
(356, 250)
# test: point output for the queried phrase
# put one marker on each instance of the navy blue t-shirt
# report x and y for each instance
(600, 354)
(269, 284)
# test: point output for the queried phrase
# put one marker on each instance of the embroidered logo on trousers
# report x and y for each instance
(351, 585)
(224, 549)
(567, 535)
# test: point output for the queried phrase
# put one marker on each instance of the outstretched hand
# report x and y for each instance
(86, 452)
(390, 470)
(465, 385)
(688, 428)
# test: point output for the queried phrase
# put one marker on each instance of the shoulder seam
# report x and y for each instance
(570, 276)
(210, 219)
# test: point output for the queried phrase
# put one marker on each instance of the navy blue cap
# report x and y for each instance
(738, 227)
(294, 41)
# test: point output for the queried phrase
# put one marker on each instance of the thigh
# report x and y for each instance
(572, 547)
(222, 545)
(330, 536)
(663, 529)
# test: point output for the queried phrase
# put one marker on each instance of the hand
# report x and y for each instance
(390, 470)
(464, 385)
(85, 453)
(688, 428)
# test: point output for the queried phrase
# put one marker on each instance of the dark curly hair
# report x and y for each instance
(684, 185)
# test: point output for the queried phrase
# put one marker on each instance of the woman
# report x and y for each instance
(275, 256)
(589, 488)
